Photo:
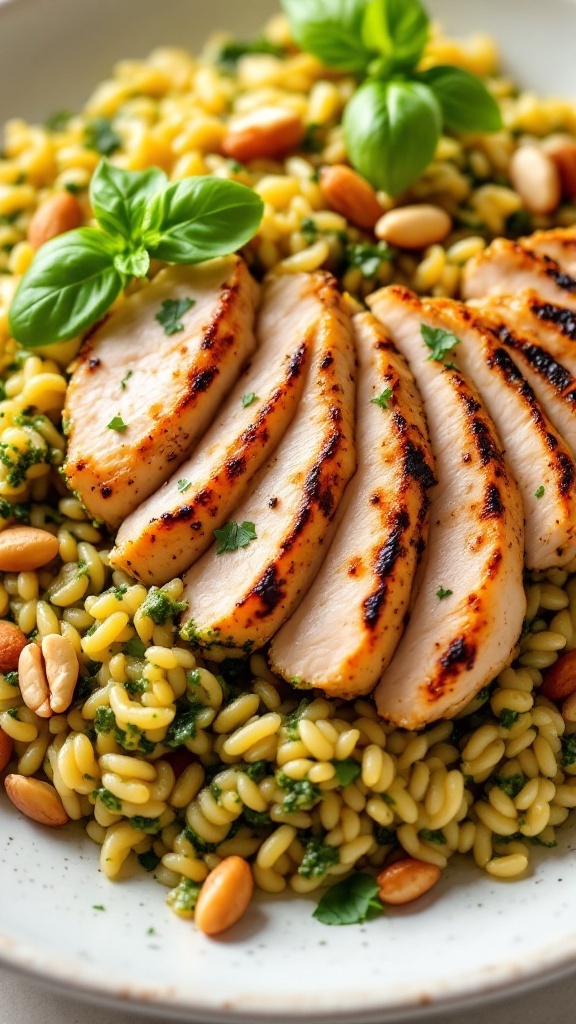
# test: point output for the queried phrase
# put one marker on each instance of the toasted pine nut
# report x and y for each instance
(224, 896)
(266, 132)
(24, 547)
(414, 227)
(59, 213)
(535, 178)
(33, 682)
(406, 880)
(560, 679)
(37, 800)
(62, 670)
(562, 150)
(12, 642)
(349, 194)
(5, 750)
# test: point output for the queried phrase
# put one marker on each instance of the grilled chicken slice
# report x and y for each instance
(505, 268)
(468, 611)
(169, 531)
(240, 598)
(540, 459)
(142, 393)
(362, 591)
(558, 243)
(553, 383)
(553, 326)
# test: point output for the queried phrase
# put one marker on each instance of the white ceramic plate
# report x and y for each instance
(475, 937)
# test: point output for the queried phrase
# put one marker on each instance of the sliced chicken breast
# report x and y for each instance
(143, 390)
(505, 268)
(361, 594)
(558, 243)
(553, 384)
(169, 531)
(553, 326)
(240, 598)
(540, 459)
(467, 615)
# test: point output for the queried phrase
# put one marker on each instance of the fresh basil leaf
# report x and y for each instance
(71, 282)
(349, 902)
(466, 104)
(332, 31)
(391, 130)
(200, 218)
(399, 29)
(132, 264)
(120, 198)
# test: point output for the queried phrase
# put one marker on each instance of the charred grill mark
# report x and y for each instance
(512, 374)
(542, 362)
(180, 515)
(471, 405)
(327, 361)
(200, 382)
(297, 361)
(485, 442)
(416, 466)
(399, 422)
(493, 507)
(317, 489)
(460, 656)
(270, 592)
(564, 319)
(384, 565)
(567, 472)
(560, 278)
(235, 467)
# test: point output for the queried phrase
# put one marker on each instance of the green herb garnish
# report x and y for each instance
(117, 424)
(540, 492)
(233, 536)
(350, 902)
(125, 379)
(393, 123)
(101, 136)
(248, 399)
(159, 607)
(135, 648)
(184, 485)
(382, 399)
(441, 593)
(301, 793)
(149, 862)
(508, 717)
(439, 342)
(230, 53)
(74, 278)
(368, 258)
(318, 858)
(347, 770)
(171, 313)
(432, 835)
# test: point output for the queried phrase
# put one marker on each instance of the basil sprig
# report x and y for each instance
(393, 122)
(74, 278)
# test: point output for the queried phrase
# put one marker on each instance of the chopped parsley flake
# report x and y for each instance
(135, 648)
(511, 784)
(117, 424)
(441, 593)
(184, 897)
(125, 380)
(382, 399)
(439, 342)
(301, 793)
(150, 825)
(171, 312)
(101, 136)
(368, 258)
(347, 771)
(508, 717)
(292, 723)
(432, 835)
(58, 122)
(111, 802)
(159, 607)
(568, 750)
(183, 726)
(318, 858)
(248, 399)
(184, 485)
(540, 492)
(98, 906)
(230, 53)
(233, 536)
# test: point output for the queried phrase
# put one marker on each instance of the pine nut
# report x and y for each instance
(24, 547)
(560, 679)
(5, 749)
(62, 670)
(535, 178)
(406, 880)
(12, 643)
(224, 896)
(349, 194)
(266, 132)
(59, 213)
(414, 227)
(33, 682)
(562, 150)
(37, 800)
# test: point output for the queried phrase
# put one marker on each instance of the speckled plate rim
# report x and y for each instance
(505, 980)
(368, 1006)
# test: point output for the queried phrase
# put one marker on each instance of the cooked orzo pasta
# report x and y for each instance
(179, 763)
